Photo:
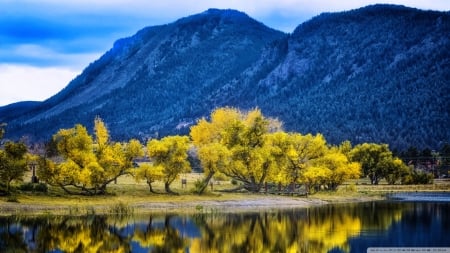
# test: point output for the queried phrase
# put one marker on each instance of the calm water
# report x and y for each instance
(332, 228)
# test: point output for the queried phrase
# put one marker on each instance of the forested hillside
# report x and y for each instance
(379, 73)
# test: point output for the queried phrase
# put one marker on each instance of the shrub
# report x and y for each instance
(12, 198)
(198, 185)
(121, 209)
(30, 187)
(417, 177)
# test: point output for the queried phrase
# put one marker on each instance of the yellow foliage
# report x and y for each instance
(171, 154)
(147, 239)
(332, 232)
(338, 169)
(90, 165)
(101, 132)
(205, 132)
(149, 172)
(214, 157)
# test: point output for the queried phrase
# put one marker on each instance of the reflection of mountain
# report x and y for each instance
(337, 228)
(418, 224)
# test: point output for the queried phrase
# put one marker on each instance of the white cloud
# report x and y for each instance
(37, 55)
(24, 83)
(254, 7)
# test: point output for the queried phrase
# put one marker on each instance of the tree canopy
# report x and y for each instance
(245, 147)
(377, 162)
(169, 158)
(13, 163)
(89, 163)
(238, 141)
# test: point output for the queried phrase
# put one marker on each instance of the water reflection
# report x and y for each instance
(332, 228)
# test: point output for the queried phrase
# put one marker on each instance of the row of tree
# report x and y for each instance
(244, 146)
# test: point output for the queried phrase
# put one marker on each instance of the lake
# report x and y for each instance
(402, 221)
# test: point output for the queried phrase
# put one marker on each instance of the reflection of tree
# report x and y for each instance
(11, 239)
(89, 234)
(380, 216)
(311, 230)
(162, 238)
(330, 228)
(247, 233)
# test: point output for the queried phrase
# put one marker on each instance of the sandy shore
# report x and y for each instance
(253, 203)
(258, 204)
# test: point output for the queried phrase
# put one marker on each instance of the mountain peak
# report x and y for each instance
(224, 12)
(224, 17)
(369, 15)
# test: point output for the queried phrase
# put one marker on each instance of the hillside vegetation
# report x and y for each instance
(376, 74)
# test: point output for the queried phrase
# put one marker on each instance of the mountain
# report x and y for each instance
(380, 73)
(14, 110)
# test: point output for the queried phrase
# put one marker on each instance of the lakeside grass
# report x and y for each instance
(135, 196)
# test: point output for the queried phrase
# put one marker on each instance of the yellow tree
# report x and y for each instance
(13, 163)
(300, 151)
(245, 139)
(205, 132)
(150, 174)
(171, 154)
(207, 137)
(396, 170)
(89, 164)
(377, 162)
(214, 157)
(116, 159)
(234, 143)
(338, 168)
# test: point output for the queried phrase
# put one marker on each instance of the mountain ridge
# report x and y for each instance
(348, 75)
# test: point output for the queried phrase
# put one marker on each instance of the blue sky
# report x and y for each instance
(46, 43)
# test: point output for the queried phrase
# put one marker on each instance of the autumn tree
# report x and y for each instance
(299, 151)
(241, 141)
(214, 158)
(170, 155)
(13, 163)
(396, 170)
(89, 163)
(245, 139)
(150, 173)
(339, 168)
(377, 162)
(207, 137)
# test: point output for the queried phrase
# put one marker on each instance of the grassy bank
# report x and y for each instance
(128, 195)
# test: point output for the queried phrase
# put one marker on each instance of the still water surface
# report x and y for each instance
(331, 228)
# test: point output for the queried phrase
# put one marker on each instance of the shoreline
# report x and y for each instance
(127, 197)
(180, 205)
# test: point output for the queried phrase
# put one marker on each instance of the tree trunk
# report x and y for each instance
(374, 179)
(8, 185)
(205, 183)
(151, 187)
(66, 190)
(167, 188)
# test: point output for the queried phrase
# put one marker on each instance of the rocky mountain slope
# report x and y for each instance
(379, 73)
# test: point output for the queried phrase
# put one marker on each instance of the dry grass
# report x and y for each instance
(129, 193)
(126, 192)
